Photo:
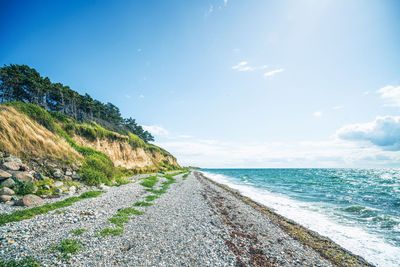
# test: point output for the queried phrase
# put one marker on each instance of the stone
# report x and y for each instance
(24, 177)
(58, 184)
(76, 176)
(5, 198)
(46, 187)
(30, 201)
(72, 189)
(68, 173)
(6, 191)
(11, 165)
(57, 173)
(8, 183)
(12, 158)
(4, 175)
(58, 191)
(103, 187)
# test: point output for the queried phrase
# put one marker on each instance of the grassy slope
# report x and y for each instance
(29, 131)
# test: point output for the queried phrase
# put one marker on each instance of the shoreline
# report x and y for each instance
(327, 248)
(194, 222)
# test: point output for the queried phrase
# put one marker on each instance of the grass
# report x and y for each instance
(78, 231)
(68, 247)
(151, 197)
(157, 192)
(149, 181)
(26, 262)
(111, 231)
(123, 216)
(185, 175)
(20, 215)
(142, 204)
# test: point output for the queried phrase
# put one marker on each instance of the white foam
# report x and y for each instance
(372, 248)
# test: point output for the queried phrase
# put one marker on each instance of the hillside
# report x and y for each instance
(36, 135)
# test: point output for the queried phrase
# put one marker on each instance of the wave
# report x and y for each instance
(355, 239)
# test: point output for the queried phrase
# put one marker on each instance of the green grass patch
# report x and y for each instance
(123, 216)
(26, 262)
(157, 192)
(68, 247)
(111, 231)
(185, 175)
(151, 197)
(142, 204)
(149, 181)
(20, 215)
(78, 231)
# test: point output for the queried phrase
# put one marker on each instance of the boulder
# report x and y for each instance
(6, 191)
(12, 158)
(58, 191)
(40, 176)
(72, 189)
(24, 177)
(58, 184)
(5, 198)
(11, 165)
(68, 173)
(4, 175)
(46, 187)
(8, 183)
(30, 201)
(57, 173)
(76, 176)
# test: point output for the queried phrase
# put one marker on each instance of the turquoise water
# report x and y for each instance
(357, 208)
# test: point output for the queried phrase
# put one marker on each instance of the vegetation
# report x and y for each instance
(151, 197)
(78, 231)
(20, 215)
(26, 262)
(123, 216)
(24, 188)
(185, 175)
(67, 247)
(111, 231)
(25, 84)
(142, 204)
(149, 181)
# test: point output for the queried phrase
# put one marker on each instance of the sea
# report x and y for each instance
(358, 209)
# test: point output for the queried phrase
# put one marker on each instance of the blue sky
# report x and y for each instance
(307, 83)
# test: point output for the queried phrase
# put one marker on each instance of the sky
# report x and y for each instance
(229, 83)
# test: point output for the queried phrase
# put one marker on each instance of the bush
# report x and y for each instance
(97, 169)
(25, 188)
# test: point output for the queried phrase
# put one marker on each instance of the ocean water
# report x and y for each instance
(357, 208)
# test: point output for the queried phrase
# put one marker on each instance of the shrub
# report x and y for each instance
(25, 188)
(68, 247)
(26, 262)
(97, 169)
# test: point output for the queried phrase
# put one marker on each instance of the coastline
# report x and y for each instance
(328, 249)
(195, 222)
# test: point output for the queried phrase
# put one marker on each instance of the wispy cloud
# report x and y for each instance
(273, 72)
(391, 94)
(317, 114)
(156, 130)
(225, 2)
(244, 66)
(337, 107)
(141, 96)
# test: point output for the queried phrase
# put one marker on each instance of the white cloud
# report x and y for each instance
(244, 66)
(338, 107)
(383, 132)
(317, 114)
(273, 72)
(139, 50)
(156, 130)
(366, 92)
(141, 96)
(225, 2)
(391, 94)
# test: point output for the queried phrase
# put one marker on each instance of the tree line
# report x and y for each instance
(25, 84)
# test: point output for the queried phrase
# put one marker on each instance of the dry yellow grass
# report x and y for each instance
(21, 136)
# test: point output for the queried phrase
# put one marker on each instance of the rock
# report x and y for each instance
(72, 189)
(11, 165)
(30, 201)
(68, 173)
(46, 187)
(57, 173)
(103, 187)
(58, 184)
(24, 177)
(4, 175)
(7, 183)
(76, 176)
(6, 191)
(40, 176)
(58, 191)
(12, 158)
(5, 198)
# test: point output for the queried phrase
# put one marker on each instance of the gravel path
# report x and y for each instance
(196, 223)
